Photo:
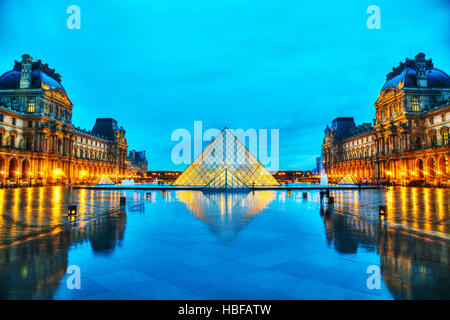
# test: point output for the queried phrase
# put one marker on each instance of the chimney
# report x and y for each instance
(25, 76)
(421, 68)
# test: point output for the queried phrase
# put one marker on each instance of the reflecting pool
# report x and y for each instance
(198, 245)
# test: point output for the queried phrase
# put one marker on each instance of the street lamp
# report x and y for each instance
(17, 174)
(57, 173)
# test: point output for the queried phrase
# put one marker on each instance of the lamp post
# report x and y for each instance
(388, 173)
(57, 173)
(17, 175)
(41, 177)
(83, 174)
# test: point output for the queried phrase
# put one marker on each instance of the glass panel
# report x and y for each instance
(226, 162)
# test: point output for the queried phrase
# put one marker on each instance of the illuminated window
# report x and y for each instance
(31, 105)
(415, 104)
(46, 107)
(445, 137)
(431, 120)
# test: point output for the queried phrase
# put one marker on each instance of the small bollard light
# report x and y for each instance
(148, 195)
(305, 195)
(330, 200)
(163, 193)
(71, 210)
(123, 201)
(382, 210)
(289, 193)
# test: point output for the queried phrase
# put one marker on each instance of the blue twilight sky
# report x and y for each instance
(158, 65)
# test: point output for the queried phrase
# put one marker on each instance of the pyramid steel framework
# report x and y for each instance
(226, 164)
(347, 179)
(104, 180)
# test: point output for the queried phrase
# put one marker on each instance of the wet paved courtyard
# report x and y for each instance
(195, 245)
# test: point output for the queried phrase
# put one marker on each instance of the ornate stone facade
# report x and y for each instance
(409, 140)
(38, 142)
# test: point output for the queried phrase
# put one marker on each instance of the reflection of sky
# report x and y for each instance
(294, 64)
(261, 233)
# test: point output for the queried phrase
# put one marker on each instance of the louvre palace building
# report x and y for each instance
(408, 141)
(39, 145)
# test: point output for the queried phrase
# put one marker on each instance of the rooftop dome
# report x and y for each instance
(42, 77)
(407, 78)
(405, 75)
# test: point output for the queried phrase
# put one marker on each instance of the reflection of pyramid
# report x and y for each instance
(104, 179)
(347, 179)
(226, 163)
(226, 213)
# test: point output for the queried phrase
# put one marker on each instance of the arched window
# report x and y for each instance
(31, 105)
(415, 104)
(445, 137)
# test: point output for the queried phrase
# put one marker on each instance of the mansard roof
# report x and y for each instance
(42, 77)
(105, 127)
(405, 76)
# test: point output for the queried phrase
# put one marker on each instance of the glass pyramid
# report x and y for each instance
(224, 180)
(226, 163)
(347, 179)
(104, 179)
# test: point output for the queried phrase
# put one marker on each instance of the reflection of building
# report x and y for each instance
(226, 164)
(39, 143)
(34, 269)
(137, 162)
(226, 213)
(410, 137)
(413, 267)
